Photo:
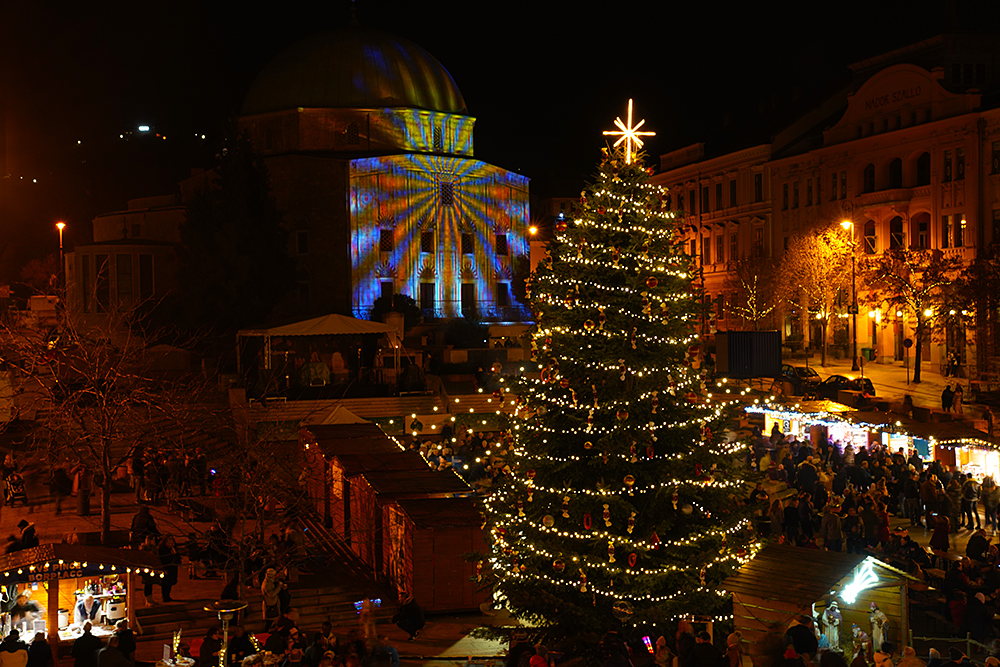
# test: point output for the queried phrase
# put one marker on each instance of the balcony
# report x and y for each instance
(892, 197)
(965, 253)
(482, 311)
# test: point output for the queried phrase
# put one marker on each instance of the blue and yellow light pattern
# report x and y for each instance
(448, 196)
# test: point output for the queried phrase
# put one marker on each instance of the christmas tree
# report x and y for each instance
(622, 503)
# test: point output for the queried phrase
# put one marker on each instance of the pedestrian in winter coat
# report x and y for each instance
(947, 398)
(831, 529)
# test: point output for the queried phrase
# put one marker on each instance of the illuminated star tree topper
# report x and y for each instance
(629, 134)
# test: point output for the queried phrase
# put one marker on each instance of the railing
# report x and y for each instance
(484, 311)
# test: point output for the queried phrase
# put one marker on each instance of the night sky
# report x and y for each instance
(542, 78)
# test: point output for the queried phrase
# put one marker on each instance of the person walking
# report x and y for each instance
(970, 503)
(990, 493)
(957, 396)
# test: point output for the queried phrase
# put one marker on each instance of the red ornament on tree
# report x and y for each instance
(587, 523)
(561, 226)
(622, 415)
(654, 541)
(564, 383)
(632, 558)
(652, 282)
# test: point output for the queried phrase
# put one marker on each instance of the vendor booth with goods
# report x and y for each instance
(853, 599)
(63, 586)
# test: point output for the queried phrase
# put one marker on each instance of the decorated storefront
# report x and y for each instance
(63, 586)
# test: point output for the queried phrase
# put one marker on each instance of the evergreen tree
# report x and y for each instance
(621, 503)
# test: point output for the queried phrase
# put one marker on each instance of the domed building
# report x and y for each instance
(369, 146)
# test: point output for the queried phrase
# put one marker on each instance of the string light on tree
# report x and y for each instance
(619, 422)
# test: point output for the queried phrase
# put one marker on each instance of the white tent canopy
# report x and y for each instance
(327, 325)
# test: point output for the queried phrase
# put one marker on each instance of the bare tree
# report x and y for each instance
(914, 281)
(752, 280)
(97, 394)
(813, 271)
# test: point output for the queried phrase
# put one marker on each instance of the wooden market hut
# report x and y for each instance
(785, 582)
(57, 569)
(431, 540)
(356, 473)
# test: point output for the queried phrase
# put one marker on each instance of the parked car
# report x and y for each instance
(829, 387)
(796, 381)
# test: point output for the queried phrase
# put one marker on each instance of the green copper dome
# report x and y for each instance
(353, 68)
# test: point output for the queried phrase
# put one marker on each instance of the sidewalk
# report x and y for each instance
(890, 382)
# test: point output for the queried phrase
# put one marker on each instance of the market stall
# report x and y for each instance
(62, 586)
(811, 581)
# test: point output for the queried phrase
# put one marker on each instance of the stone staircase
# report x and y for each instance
(318, 598)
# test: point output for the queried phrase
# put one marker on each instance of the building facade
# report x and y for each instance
(370, 151)
(908, 152)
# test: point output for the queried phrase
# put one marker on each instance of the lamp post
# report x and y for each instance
(848, 225)
(62, 266)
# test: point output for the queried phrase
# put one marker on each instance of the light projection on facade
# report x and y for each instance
(446, 231)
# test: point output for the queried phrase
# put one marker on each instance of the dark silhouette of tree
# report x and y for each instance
(398, 303)
(234, 262)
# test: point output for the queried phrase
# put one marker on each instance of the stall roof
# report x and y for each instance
(442, 512)
(942, 432)
(72, 560)
(327, 325)
(393, 472)
(793, 574)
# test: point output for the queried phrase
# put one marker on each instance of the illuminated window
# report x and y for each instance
(427, 242)
(386, 240)
(920, 230)
(871, 241)
(720, 248)
(706, 250)
(438, 140)
(896, 238)
(960, 230)
(501, 246)
(302, 242)
(960, 164)
(758, 188)
(946, 175)
(351, 136)
(447, 193)
(468, 245)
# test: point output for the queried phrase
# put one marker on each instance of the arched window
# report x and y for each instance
(920, 231)
(868, 179)
(871, 242)
(924, 169)
(896, 173)
(896, 237)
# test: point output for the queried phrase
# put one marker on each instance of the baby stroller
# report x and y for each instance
(14, 490)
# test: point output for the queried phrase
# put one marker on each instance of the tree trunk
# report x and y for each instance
(918, 335)
(822, 358)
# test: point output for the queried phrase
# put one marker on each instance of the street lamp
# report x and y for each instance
(848, 226)
(62, 261)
